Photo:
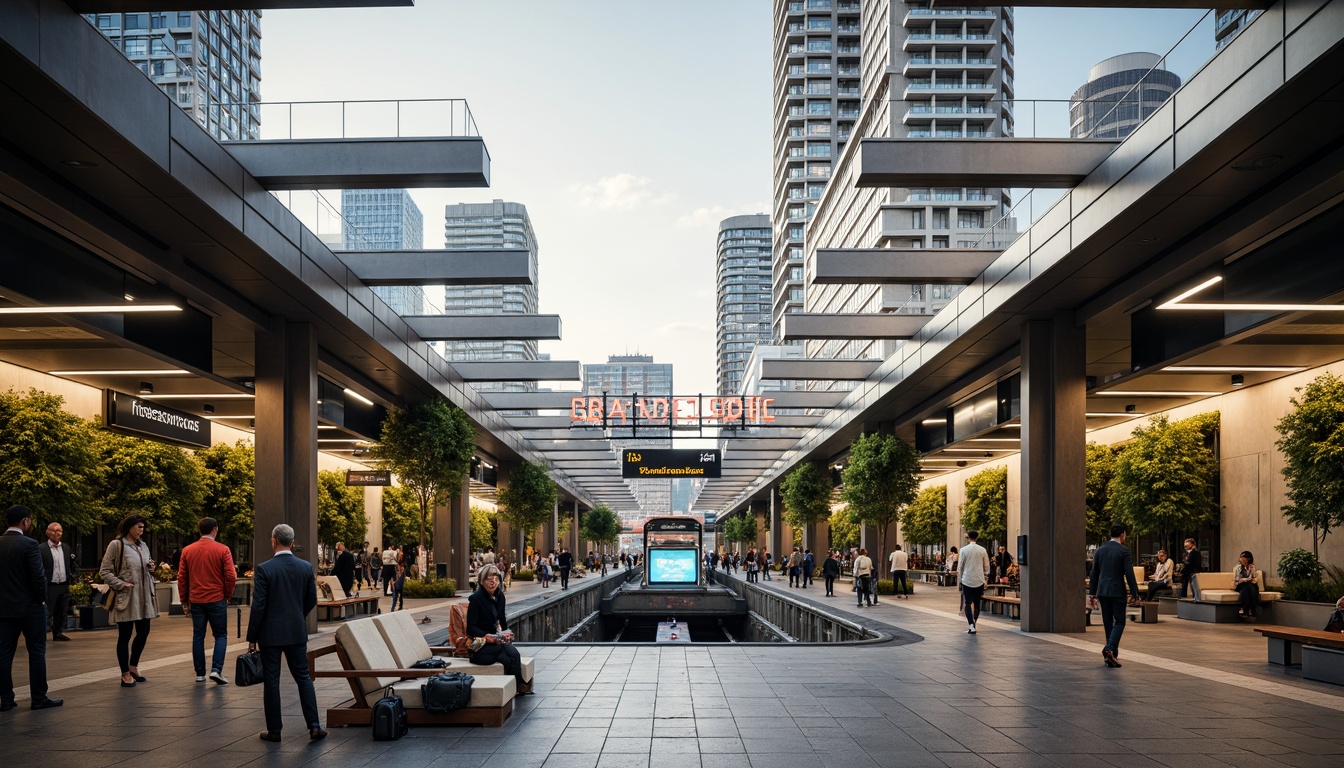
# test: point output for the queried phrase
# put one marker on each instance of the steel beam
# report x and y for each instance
(399, 163)
(803, 325)
(820, 370)
(445, 266)
(874, 266)
(998, 162)
(485, 327)
(520, 370)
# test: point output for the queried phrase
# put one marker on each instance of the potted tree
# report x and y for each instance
(925, 522)
(880, 481)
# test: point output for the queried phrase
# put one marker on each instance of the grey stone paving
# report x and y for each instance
(999, 698)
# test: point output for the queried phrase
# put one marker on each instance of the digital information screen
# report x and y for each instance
(648, 463)
(673, 566)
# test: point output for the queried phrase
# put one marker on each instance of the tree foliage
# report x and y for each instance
(528, 500)
(806, 492)
(926, 520)
(401, 516)
(601, 526)
(844, 530)
(50, 461)
(483, 528)
(1312, 443)
(1165, 478)
(986, 507)
(429, 447)
(340, 511)
(1100, 469)
(230, 475)
(162, 483)
(880, 481)
(739, 528)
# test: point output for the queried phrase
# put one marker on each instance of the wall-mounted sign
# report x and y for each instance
(130, 414)
(654, 463)
(693, 411)
(368, 477)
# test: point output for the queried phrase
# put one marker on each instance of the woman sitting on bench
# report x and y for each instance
(1161, 581)
(490, 639)
(1244, 581)
(1336, 622)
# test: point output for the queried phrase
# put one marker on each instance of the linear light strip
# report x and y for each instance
(1235, 368)
(201, 396)
(357, 396)
(1211, 281)
(1155, 393)
(127, 372)
(75, 309)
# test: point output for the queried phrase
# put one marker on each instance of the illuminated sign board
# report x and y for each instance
(128, 413)
(646, 463)
(694, 411)
(368, 477)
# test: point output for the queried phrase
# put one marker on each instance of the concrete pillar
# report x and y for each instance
(286, 439)
(869, 539)
(373, 512)
(572, 538)
(459, 536)
(777, 526)
(441, 524)
(761, 511)
(1053, 474)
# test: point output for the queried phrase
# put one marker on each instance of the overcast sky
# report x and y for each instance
(629, 129)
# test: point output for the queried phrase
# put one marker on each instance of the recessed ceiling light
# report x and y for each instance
(975, 450)
(1258, 164)
(995, 440)
(1154, 393)
(124, 372)
(1114, 415)
(79, 163)
(74, 309)
(357, 396)
(1234, 368)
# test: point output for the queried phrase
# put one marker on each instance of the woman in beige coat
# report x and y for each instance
(136, 603)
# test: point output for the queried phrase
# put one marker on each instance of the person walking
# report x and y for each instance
(767, 560)
(795, 566)
(863, 575)
(128, 569)
(61, 569)
(389, 568)
(830, 570)
(972, 566)
(399, 581)
(344, 568)
(376, 568)
(809, 565)
(565, 564)
(23, 611)
(1112, 570)
(205, 582)
(900, 565)
(284, 592)
(1191, 564)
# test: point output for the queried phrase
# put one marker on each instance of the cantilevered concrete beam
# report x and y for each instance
(873, 266)
(804, 399)
(365, 163)
(530, 401)
(484, 327)
(820, 370)
(1141, 4)
(1057, 163)
(448, 266)
(520, 370)
(801, 326)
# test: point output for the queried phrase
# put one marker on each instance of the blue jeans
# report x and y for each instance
(397, 597)
(1112, 621)
(217, 614)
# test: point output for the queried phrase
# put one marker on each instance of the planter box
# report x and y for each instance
(1295, 613)
(93, 617)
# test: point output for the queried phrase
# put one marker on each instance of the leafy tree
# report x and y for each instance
(880, 481)
(401, 516)
(1100, 470)
(1312, 443)
(340, 511)
(739, 528)
(806, 492)
(1165, 478)
(926, 520)
(986, 507)
(162, 483)
(528, 500)
(601, 526)
(563, 526)
(429, 447)
(50, 461)
(230, 475)
(844, 531)
(482, 529)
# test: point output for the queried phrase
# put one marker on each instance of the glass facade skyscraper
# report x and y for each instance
(743, 308)
(1120, 93)
(385, 220)
(209, 62)
(628, 375)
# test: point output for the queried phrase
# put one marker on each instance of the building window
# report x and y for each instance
(971, 219)
(136, 46)
(940, 219)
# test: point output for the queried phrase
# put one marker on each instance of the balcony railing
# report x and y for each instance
(363, 119)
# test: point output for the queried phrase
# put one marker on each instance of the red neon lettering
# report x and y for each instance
(660, 410)
(685, 409)
(732, 409)
(576, 410)
(616, 411)
(716, 407)
(766, 415)
(594, 410)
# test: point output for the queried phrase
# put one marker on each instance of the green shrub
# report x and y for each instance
(1299, 565)
(888, 587)
(1308, 590)
(80, 593)
(524, 574)
(433, 588)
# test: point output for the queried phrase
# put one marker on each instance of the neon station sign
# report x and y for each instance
(690, 412)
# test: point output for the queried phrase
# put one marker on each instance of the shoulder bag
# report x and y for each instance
(446, 692)
(247, 669)
(111, 599)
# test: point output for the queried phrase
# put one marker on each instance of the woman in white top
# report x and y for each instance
(1161, 581)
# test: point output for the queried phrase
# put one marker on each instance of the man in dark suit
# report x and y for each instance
(284, 590)
(566, 564)
(1191, 564)
(23, 610)
(344, 568)
(1112, 570)
(58, 561)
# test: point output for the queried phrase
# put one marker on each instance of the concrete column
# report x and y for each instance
(459, 536)
(572, 538)
(776, 525)
(869, 539)
(761, 511)
(441, 527)
(1053, 474)
(286, 439)
(373, 512)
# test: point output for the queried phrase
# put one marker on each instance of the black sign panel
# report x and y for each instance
(127, 413)
(671, 524)
(368, 477)
(650, 464)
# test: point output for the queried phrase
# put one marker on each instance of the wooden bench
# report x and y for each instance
(339, 610)
(1002, 606)
(1287, 644)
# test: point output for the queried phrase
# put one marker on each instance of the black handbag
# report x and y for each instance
(389, 718)
(447, 692)
(434, 662)
(248, 670)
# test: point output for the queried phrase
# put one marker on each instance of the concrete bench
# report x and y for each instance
(1215, 601)
(1324, 664)
(1002, 606)
(369, 665)
(1287, 646)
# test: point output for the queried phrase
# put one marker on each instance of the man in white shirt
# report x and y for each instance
(900, 563)
(58, 563)
(972, 568)
(389, 568)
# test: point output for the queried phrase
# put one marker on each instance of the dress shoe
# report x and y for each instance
(61, 637)
(125, 684)
(47, 703)
(316, 733)
(1109, 656)
(269, 735)
(5, 706)
(138, 678)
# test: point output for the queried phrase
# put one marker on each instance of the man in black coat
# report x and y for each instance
(61, 568)
(1112, 570)
(344, 569)
(1191, 564)
(23, 610)
(565, 562)
(284, 591)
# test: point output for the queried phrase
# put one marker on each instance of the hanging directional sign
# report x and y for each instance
(653, 463)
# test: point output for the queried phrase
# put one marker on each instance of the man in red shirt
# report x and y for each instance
(205, 581)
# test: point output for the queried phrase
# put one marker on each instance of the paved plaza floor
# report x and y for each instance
(1189, 695)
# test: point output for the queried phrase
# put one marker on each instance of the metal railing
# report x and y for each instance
(797, 619)
(382, 118)
(547, 620)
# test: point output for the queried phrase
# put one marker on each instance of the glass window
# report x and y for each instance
(136, 46)
(136, 21)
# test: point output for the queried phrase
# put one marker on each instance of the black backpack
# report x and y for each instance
(389, 718)
(447, 692)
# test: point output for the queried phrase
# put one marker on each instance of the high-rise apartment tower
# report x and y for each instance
(1120, 93)
(1228, 23)
(743, 308)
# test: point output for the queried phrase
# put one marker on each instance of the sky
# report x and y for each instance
(629, 129)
